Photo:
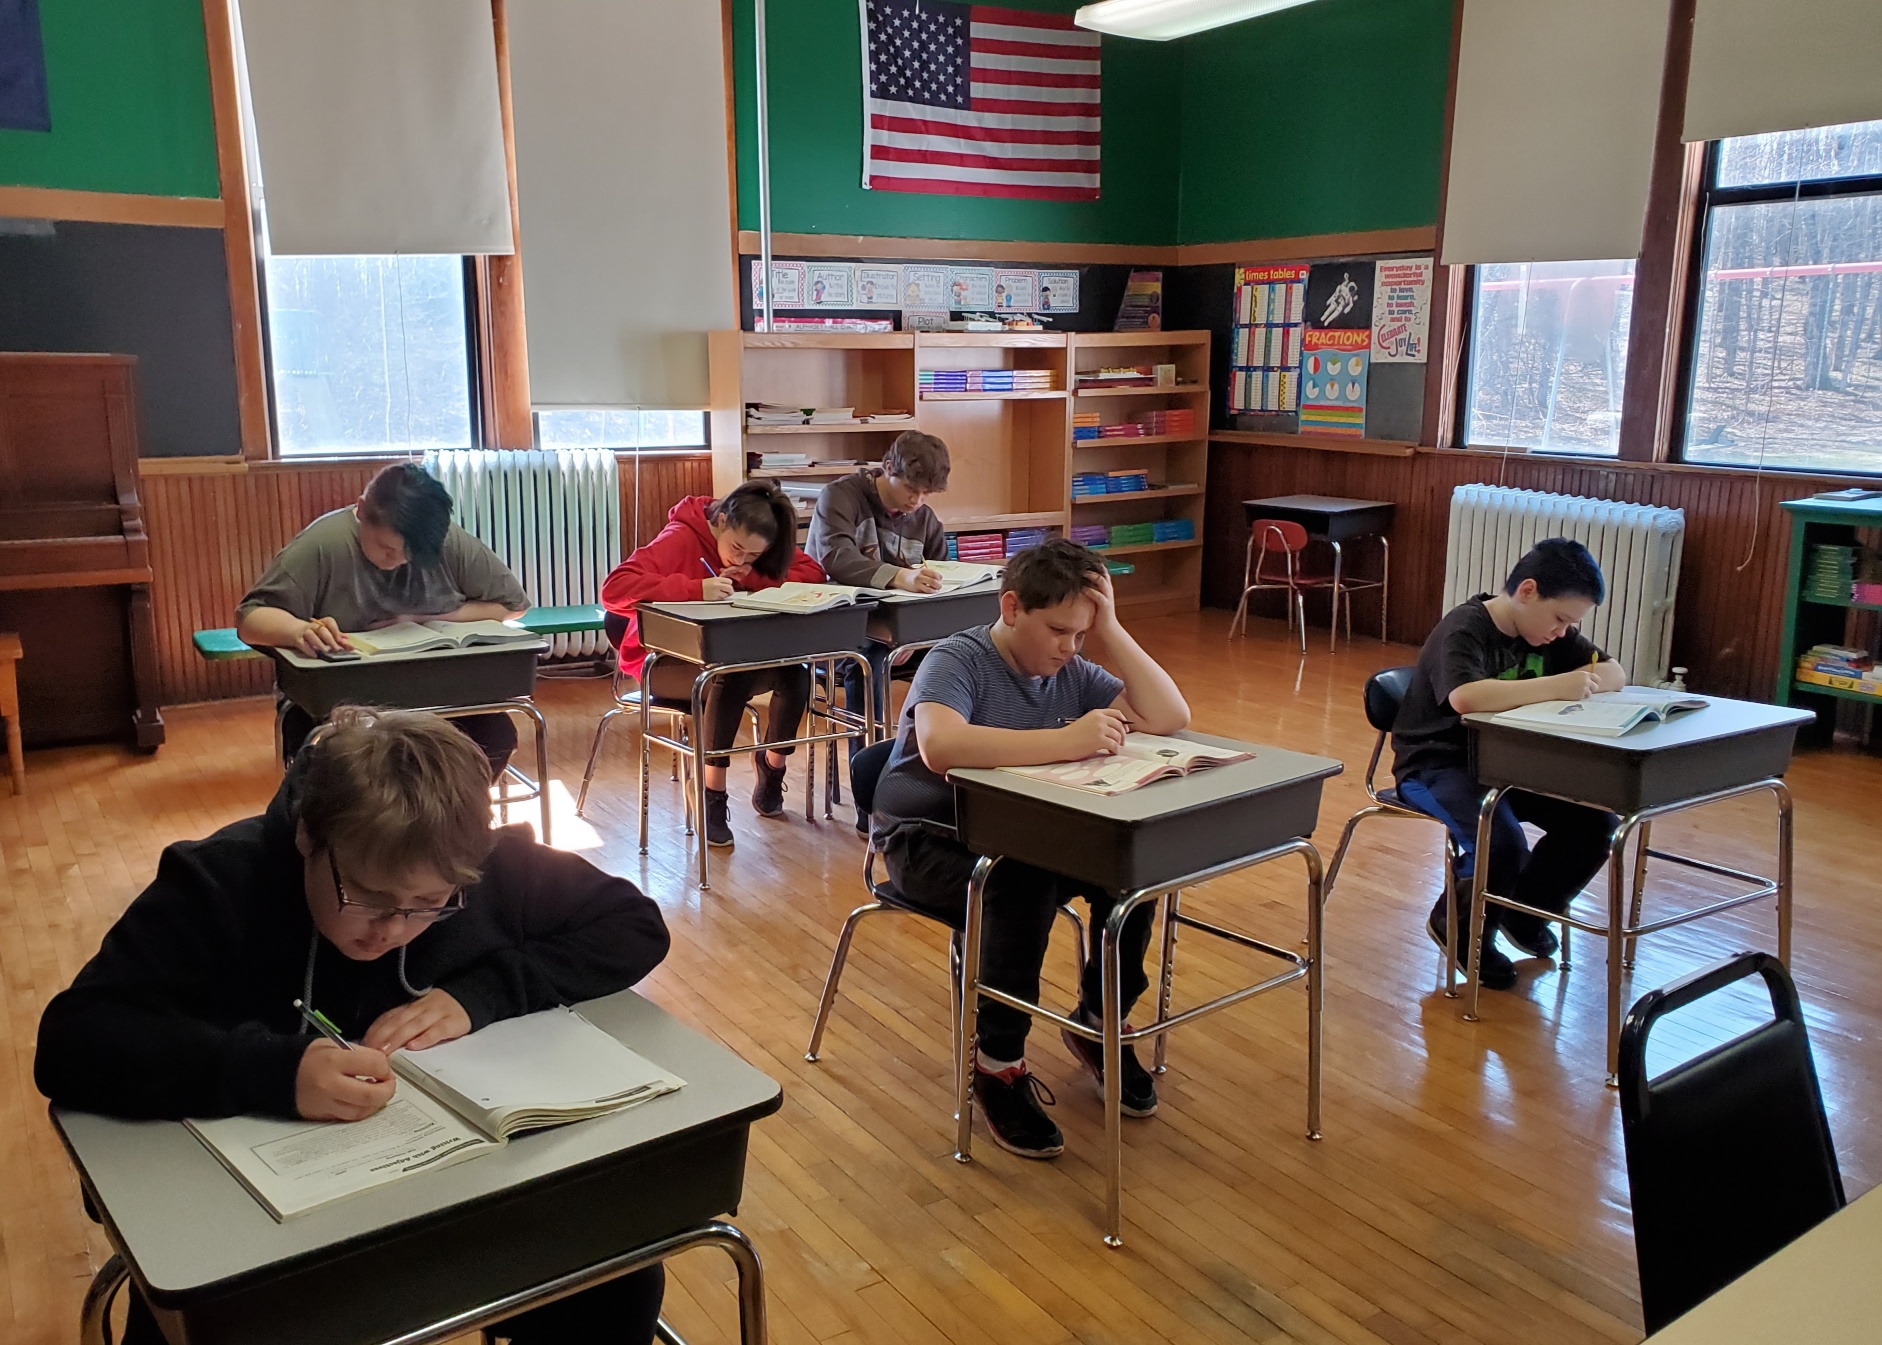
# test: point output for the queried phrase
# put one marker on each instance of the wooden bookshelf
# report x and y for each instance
(1013, 452)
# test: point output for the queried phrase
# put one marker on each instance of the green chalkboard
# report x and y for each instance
(815, 65)
(128, 81)
(1326, 118)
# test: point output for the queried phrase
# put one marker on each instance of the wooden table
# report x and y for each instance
(439, 1254)
(1728, 749)
(1145, 845)
(1336, 520)
(10, 707)
(1821, 1290)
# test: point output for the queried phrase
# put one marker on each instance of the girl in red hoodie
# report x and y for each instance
(709, 549)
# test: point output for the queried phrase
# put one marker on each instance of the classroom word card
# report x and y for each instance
(916, 287)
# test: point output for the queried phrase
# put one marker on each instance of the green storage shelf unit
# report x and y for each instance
(1809, 620)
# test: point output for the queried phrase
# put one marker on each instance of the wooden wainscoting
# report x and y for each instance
(215, 528)
(1731, 588)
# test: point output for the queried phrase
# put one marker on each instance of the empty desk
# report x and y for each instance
(435, 1255)
(1698, 757)
(1144, 845)
(1336, 521)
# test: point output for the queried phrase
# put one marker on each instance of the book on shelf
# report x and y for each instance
(833, 415)
(771, 413)
(1145, 757)
(1606, 714)
(418, 637)
(453, 1102)
(889, 417)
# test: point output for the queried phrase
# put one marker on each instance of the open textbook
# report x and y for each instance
(414, 637)
(1606, 714)
(796, 596)
(1145, 757)
(453, 1102)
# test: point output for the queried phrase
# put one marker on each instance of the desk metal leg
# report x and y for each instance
(1333, 617)
(1385, 581)
(968, 1038)
(1639, 894)
(1617, 939)
(700, 683)
(646, 740)
(1166, 975)
(1469, 956)
(94, 1314)
(1112, 1025)
(1316, 981)
(1783, 795)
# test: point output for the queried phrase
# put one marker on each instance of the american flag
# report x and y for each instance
(972, 100)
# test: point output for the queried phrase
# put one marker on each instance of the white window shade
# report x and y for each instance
(621, 178)
(1552, 138)
(377, 126)
(1782, 65)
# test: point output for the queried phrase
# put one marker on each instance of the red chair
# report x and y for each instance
(1285, 543)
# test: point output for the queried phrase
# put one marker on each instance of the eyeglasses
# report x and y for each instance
(375, 912)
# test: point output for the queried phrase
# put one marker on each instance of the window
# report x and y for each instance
(1548, 356)
(1787, 356)
(370, 354)
(619, 427)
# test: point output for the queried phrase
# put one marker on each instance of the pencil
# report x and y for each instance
(708, 564)
(323, 1025)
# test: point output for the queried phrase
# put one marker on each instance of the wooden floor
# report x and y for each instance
(1470, 1186)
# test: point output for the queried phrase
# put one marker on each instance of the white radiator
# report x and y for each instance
(552, 515)
(1637, 546)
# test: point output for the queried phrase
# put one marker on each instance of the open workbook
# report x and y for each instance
(416, 637)
(1606, 714)
(1145, 757)
(454, 1101)
(796, 596)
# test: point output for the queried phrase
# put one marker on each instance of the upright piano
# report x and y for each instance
(74, 560)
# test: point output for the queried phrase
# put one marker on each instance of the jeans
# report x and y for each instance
(622, 1311)
(1572, 850)
(931, 873)
(728, 696)
(495, 733)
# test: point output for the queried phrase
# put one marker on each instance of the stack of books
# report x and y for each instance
(1181, 420)
(983, 380)
(1174, 530)
(1087, 484)
(769, 413)
(833, 415)
(1086, 425)
(889, 417)
(1132, 376)
(1122, 430)
(1831, 573)
(779, 462)
(1018, 539)
(985, 547)
(1091, 534)
(1126, 481)
(1133, 534)
(1840, 666)
(1117, 567)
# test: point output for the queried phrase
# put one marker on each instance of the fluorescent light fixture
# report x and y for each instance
(1161, 20)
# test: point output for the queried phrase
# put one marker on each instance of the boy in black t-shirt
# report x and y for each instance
(1487, 655)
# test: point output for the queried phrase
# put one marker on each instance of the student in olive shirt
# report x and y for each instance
(1487, 655)
(874, 529)
(394, 556)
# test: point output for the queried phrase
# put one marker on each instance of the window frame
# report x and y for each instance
(1708, 196)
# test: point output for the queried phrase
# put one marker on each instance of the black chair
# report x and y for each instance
(865, 770)
(1729, 1154)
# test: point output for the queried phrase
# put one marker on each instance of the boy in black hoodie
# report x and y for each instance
(373, 889)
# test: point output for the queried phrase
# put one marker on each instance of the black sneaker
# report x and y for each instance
(1010, 1101)
(1497, 971)
(767, 796)
(1530, 933)
(718, 826)
(862, 824)
(1138, 1094)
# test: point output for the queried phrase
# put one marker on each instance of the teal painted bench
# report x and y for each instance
(218, 645)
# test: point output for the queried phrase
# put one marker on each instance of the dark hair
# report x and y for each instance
(1562, 568)
(919, 459)
(410, 501)
(762, 509)
(396, 789)
(1047, 574)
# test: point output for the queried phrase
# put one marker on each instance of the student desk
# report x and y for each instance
(450, 683)
(1821, 1289)
(1699, 757)
(722, 639)
(1335, 520)
(433, 1256)
(1144, 845)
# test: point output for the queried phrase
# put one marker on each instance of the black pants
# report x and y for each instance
(621, 1312)
(931, 872)
(726, 701)
(1572, 850)
(494, 733)
(878, 655)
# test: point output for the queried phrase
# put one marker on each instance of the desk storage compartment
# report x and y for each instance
(411, 683)
(759, 637)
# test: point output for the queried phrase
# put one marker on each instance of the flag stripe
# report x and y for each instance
(1027, 18)
(936, 187)
(1083, 114)
(1043, 79)
(948, 172)
(962, 159)
(1027, 119)
(1044, 51)
(888, 125)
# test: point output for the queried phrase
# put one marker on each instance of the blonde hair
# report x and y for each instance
(396, 789)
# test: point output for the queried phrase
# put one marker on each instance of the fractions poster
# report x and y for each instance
(830, 285)
(1058, 291)
(878, 287)
(924, 287)
(1333, 368)
(1016, 291)
(1264, 372)
(1401, 310)
(970, 287)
